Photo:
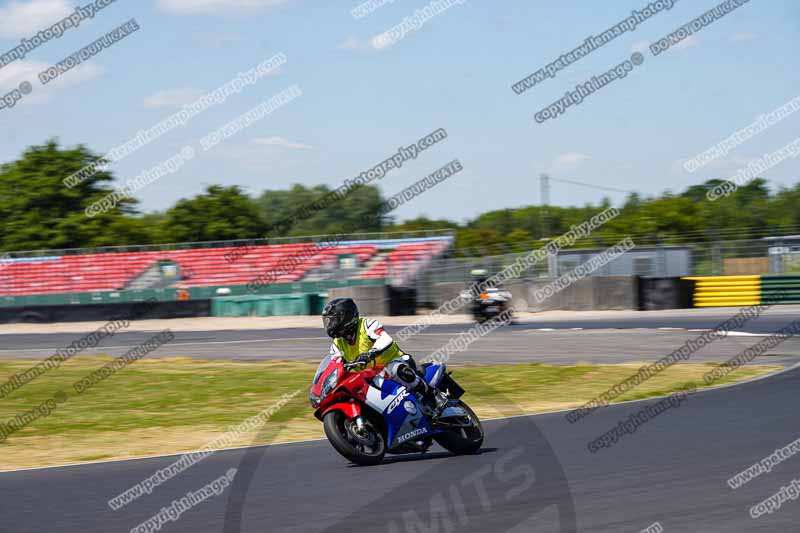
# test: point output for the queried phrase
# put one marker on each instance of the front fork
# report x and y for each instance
(359, 427)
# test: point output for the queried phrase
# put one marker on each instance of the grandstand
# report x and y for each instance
(397, 260)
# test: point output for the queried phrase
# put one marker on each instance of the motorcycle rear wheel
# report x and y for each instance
(366, 450)
(463, 441)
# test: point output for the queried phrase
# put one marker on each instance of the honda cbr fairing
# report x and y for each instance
(400, 409)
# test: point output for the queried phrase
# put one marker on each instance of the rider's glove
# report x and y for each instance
(365, 357)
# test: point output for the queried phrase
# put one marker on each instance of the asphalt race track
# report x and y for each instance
(534, 474)
(643, 337)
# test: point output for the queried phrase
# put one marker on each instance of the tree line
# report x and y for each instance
(38, 212)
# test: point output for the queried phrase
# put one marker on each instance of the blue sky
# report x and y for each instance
(360, 103)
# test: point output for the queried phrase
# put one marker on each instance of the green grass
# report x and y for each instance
(534, 387)
(163, 393)
(172, 405)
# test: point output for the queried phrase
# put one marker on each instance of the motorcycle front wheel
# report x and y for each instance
(466, 440)
(363, 447)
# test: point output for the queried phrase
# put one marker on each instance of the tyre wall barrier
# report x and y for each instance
(665, 293)
(723, 291)
(726, 291)
(780, 289)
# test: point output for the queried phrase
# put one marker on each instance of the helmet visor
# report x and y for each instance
(332, 323)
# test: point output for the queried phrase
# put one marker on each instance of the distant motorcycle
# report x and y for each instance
(490, 304)
(366, 415)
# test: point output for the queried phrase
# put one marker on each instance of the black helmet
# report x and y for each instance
(340, 317)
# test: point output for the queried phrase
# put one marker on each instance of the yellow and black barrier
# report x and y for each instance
(725, 291)
(731, 291)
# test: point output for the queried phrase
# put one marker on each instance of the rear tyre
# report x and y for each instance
(362, 448)
(463, 441)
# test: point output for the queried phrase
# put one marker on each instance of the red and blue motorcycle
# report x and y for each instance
(366, 415)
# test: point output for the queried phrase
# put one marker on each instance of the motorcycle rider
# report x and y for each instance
(364, 340)
(484, 284)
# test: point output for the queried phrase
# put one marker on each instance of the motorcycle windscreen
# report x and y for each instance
(323, 365)
(434, 373)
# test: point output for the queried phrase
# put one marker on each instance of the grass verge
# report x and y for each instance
(161, 406)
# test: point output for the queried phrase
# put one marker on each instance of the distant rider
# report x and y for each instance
(483, 284)
(364, 340)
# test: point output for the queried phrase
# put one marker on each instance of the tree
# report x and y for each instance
(358, 211)
(220, 213)
(38, 211)
(471, 241)
(423, 223)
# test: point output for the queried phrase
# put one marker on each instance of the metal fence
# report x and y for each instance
(226, 244)
(771, 255)
(765, 256)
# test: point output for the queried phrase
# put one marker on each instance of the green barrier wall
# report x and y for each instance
(782, 289)
(268, 305)
(170, 294)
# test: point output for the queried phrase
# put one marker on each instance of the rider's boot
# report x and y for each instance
(433, 400)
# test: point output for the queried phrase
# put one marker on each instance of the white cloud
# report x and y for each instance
(568, 161)
(743, 37)
(172, 98)
(82, 73)
(380, 41)
(15, 73)
(722, 166)
(280, 141)
(689, 42)
(351, 43)
(216, 39)
(23, 19)
(640, 46)
(253, 157)
(208, 7)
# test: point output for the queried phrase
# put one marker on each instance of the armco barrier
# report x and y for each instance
(726, 291)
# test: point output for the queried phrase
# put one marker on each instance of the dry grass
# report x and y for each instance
(163, 406)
